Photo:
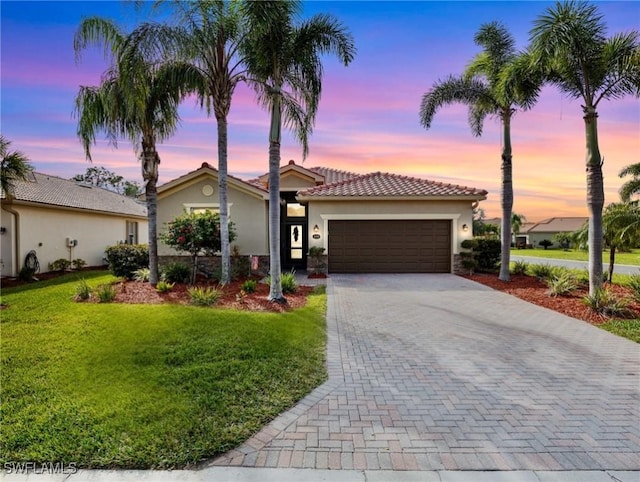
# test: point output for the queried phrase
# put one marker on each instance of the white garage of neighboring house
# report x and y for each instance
(377, 222)
(58, 218)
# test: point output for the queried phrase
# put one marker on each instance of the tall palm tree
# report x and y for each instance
(569, 41)
(14, 166)
(494, 83)
(134, 101)
(285, 69)
(206, 37)
(632, 186)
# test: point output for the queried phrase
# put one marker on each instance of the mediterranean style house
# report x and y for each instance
(58, 218)
(377, 222)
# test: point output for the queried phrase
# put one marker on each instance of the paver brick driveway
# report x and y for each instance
(432, 372)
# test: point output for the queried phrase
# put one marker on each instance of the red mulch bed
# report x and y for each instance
(139, 292)
(535, 291)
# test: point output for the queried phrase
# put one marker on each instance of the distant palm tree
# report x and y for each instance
(632, 186)
(285, 69)
(517, 220)
(135, 101)
(568, 41)
(621, 225)
(206, 37)
(14, 166)
(497, 83)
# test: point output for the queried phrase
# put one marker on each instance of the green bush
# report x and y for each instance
(288, 282)
(204, 296)
(78, 263)
(60, 264)
(634, 284)
(83, 290)
(545, 243)
(519, 267)
(249, 286)
(605, 302)
(561, 283)
(177, 273)
(164, 286)
(125, 259)
(487, 254)
(106, 293)
(541, 271)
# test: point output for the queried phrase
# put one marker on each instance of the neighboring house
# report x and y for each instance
(533, 233)
(58, 218)
(375, 222)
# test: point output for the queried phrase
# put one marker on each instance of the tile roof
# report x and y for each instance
(333, 175)
(557, 225)
(381, 184)
(55, 191)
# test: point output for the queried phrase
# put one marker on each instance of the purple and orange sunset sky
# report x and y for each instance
(368, 118)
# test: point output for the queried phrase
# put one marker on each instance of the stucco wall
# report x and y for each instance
(246, 211)
(459, 212)
(46, 230)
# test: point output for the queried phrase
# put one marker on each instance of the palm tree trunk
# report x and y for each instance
(150, 161)
(595, 198)
(612, 261)
(224, 210)
(506, 198)
(275, 267)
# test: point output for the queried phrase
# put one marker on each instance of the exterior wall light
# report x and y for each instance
(3, 230)
(465, 228)
(316, 229)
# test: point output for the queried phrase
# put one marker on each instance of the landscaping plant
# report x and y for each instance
(125, 259)
(106, 293)
(164, 286)
(177, 273)
(203, 296)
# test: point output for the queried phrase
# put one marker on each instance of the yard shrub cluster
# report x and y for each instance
(125, 259)
(484, 254)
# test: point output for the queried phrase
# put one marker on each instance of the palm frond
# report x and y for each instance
(98, 32)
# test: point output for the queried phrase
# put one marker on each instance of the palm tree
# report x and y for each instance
(206, 37)
(135, 101)
(283, 59)
(621, 225)
(632, 186)
(497, 83)
(14, 166)
(517, 220)
(568, 41)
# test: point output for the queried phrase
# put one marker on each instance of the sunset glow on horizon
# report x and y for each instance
(368, 116)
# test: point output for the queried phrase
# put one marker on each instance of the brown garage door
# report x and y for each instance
(390, 246)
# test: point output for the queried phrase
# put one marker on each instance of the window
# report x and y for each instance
(296, 210)
(204, 207)
(132, 232)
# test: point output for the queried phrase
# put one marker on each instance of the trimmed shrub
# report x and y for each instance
(177, 273)
(487, 254)
(545, 243)
(60, 264)
(78, 263)
(249, 286)
(125, 259)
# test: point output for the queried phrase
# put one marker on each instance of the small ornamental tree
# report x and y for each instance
(196, 233)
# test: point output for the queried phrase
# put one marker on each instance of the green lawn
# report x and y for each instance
(145, 386)
(632, 258)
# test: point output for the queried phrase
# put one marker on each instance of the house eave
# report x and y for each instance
(18, 202)
(304, 198)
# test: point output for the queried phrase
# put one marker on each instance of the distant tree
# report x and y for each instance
(132, 188)
(517, 220)
(569, 43)
(632, 186)
(621, 226)
(196, 233)
(14, 166)
(496, 83)
(100, 177)
(480, 227)
(545, 243)
(563, 239)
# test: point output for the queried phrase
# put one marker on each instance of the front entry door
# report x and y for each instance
(295, 245)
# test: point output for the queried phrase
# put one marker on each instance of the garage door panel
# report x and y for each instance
(390, 246)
